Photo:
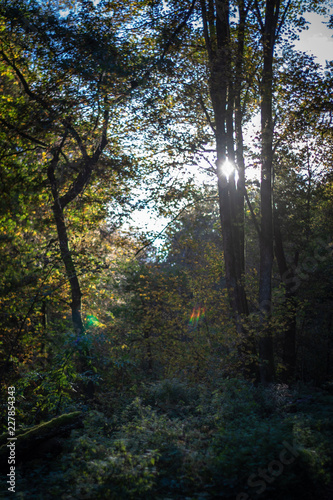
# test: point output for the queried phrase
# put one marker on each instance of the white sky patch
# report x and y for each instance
(317, 40)
(64, 13)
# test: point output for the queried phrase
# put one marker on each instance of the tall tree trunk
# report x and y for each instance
(237, 133)
(217, 36)
(269, 34)
(239, 75)
(225, 85)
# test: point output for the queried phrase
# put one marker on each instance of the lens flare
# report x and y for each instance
(197, 314)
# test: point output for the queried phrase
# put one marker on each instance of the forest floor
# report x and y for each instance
(170, 440)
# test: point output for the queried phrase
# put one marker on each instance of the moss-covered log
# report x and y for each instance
(28, 441)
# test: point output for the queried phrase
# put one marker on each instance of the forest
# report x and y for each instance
(166, 272)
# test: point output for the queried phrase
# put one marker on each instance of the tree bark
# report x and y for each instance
(269, 34)
(65, 252)
(215, 17)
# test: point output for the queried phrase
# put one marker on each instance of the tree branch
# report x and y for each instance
(206, 113)
(23, 134)
(25, 84)
(258, 15)
(177, 30)
(282, 19)
(67, 124)
(104, 140)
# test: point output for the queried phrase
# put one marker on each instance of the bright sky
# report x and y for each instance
(318, 39)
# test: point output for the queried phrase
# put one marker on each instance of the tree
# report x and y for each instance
(226, 69)
(302, 156)
(68, 126)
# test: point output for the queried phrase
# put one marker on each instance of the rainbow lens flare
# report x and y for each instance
(93, 321)
(197, 314)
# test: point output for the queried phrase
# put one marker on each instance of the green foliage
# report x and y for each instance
(206, 444)
(172, 392)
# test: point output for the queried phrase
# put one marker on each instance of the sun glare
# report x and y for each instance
(227, 168)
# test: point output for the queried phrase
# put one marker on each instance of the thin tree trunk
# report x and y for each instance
(287, 276)
(269, 33)
(239, 191)
(67, 259)
(65, 252)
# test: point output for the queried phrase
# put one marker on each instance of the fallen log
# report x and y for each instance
(28, 441)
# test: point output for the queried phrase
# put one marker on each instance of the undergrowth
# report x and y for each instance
(169, 440)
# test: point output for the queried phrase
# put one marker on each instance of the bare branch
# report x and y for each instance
(258, 15)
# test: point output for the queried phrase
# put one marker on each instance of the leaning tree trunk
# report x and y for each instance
(71, 272)
(60, 202)
(66, 255)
